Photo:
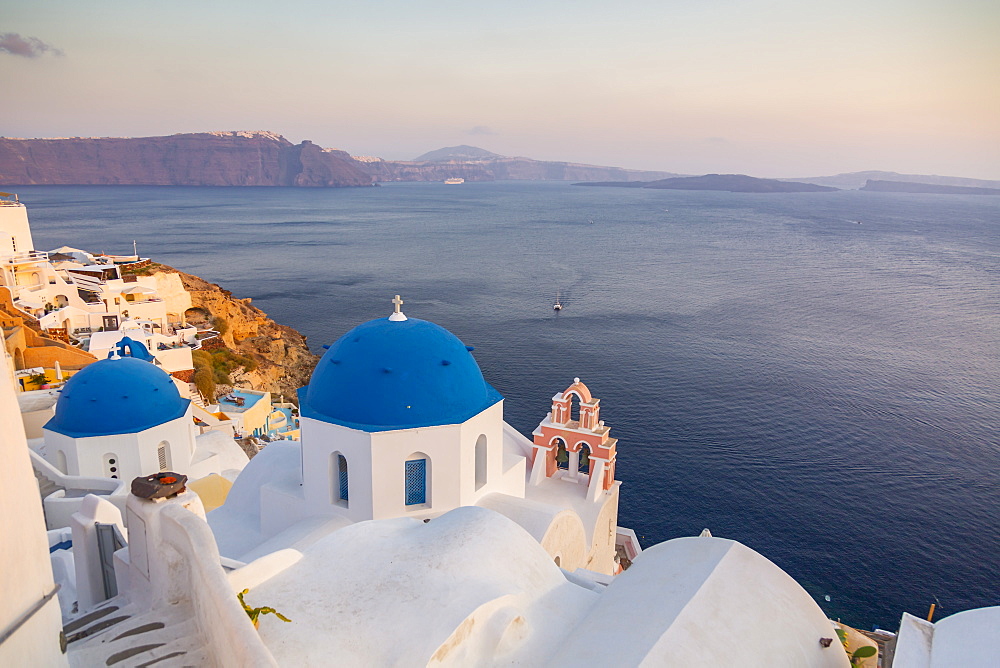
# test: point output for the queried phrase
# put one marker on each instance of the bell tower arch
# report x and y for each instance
(575, 447)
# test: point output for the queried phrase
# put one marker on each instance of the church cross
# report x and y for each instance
(398, 302)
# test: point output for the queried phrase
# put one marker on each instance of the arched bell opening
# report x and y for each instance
(561, 454)
(583, 465)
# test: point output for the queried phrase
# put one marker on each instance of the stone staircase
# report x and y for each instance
(118, 637)
(45, 484)
(196, 397)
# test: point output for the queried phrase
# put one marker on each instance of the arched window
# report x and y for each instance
(562, 455)
(584, 466)
(163, 455)
(574, 407)
(481, 461)
(339, 482)
(111, 465)
(417, 475)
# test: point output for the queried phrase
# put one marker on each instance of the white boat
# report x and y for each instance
(454, 181)
(558, 305)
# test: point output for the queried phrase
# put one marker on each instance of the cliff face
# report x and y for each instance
(284, 362)
(201, 159)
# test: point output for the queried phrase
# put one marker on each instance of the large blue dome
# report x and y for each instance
(396, 374)
(116, 396)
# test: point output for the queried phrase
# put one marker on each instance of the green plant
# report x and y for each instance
(221, 325)
(860, 653)
(254, 613)
(204, 380)
(37, 379)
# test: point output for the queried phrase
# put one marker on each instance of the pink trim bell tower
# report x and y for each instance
(575, 444)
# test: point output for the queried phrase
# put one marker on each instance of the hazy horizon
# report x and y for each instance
(767, 88)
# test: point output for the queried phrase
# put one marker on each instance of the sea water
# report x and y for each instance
(814, 375)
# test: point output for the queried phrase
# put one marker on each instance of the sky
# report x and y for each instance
(771, 88)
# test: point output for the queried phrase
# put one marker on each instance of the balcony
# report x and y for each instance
(26, 257)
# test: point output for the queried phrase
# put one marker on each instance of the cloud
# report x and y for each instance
(28, 47)
(482, 130)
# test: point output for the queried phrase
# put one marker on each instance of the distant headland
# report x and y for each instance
(910, 187)
(736, 183)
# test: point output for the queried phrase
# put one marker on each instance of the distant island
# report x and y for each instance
(735, 183)
(911, 187)
(263, 158)
(476, 164)
(457, 154)
(857, 180)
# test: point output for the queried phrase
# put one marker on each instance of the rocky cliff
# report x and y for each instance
(199, 159)
(283, 361)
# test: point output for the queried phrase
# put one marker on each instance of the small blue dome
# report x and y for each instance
(116, 396)
(387, 374)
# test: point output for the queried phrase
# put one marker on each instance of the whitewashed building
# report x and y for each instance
(121, 418)
(398, 421)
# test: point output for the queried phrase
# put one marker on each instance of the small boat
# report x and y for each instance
(454, 181)
(558, 305)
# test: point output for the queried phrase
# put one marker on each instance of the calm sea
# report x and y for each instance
(823, 391)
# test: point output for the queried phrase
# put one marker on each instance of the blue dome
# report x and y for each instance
(386, 375)
(116, 396)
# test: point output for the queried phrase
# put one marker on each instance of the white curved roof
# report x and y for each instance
(704, 602)
(970, 639)
(400, 591)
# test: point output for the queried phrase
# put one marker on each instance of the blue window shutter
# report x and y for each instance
(416, 482)
(342, 464)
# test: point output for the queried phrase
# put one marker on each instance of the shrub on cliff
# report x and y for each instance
(204, 374)
(221, 325)
(204, 380)
(217, 364)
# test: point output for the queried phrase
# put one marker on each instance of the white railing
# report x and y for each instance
(27, 257)
(60, 505)
(231, 638)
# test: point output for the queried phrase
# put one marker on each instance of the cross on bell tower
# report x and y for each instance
(397, 314)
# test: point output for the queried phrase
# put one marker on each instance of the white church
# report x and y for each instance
(409, 526)
(119, 418)
(398, 422)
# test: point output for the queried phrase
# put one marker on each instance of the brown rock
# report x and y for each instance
(284, 362)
